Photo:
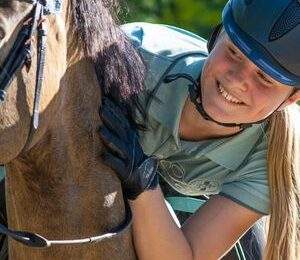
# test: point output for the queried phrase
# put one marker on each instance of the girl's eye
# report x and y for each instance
(233, 53)
(264, 78)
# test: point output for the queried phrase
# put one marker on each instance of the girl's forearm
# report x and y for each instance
(156, 235)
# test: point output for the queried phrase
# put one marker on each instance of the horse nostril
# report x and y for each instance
(2, 34)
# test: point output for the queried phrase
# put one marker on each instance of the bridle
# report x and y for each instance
(19, 56)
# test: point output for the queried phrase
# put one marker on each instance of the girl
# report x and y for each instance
(223, 125)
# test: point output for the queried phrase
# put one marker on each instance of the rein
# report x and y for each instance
(36, 240)
(19, 56)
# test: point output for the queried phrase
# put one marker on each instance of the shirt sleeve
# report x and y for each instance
(249, 187)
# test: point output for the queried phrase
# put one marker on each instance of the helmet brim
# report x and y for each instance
(256, 52)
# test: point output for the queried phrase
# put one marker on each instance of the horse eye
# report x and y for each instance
(2, 33)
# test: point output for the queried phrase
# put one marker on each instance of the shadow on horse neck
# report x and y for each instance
(57, 185)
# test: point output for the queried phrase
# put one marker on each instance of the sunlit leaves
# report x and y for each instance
(195, 15)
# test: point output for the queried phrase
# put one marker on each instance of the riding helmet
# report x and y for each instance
(268, 33)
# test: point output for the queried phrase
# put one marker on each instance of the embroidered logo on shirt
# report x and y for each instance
(175, 175)
(173, 170)
(203, 185)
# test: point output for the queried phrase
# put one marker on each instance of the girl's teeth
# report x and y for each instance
(227, 96)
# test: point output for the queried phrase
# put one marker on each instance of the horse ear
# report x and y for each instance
(213, 37)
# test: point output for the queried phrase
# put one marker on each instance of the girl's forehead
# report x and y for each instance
(224, 36)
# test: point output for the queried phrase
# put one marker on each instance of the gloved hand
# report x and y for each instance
(136, 170)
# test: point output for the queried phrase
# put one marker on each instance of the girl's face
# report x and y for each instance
(234, 90)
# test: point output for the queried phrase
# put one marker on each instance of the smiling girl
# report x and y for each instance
(223, 124)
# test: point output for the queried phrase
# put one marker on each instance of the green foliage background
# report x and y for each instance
(195, 15)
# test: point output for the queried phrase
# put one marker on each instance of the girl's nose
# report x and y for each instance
(238, 77)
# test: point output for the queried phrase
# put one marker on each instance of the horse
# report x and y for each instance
(56, 183)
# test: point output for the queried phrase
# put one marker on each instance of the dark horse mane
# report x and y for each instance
(118, 65)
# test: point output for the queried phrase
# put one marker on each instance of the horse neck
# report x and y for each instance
(63, 174)
(68, 144)
(69, 105)
(75, 118)
(72, 193)
(64, 177)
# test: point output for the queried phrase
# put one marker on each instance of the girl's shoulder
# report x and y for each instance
(164, 41)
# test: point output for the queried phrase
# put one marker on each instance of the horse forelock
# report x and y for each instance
(119, 68)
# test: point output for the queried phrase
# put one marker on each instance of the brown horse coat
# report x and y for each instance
(59, 187)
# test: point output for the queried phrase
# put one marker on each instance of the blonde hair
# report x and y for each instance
(283, 173)
(283, 163)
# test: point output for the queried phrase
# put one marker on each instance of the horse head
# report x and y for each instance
(18, 81)
(49, 121)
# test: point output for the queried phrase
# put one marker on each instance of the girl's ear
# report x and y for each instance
(291, 100)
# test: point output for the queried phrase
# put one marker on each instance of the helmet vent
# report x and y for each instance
(289, 19)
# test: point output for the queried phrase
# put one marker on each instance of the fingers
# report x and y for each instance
(115, 163)
(113, 143)
(114, 118)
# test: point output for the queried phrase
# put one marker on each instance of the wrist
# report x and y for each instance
(146, 196)
(144, 178)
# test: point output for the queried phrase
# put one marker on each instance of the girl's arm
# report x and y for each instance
(208, 234)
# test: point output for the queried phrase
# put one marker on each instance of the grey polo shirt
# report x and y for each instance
(234, 167)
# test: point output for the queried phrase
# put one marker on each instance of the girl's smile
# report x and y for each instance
(235, 90)
(227, 96)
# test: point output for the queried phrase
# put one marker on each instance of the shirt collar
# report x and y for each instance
(167, 106)
(233, 150)
(170, 98)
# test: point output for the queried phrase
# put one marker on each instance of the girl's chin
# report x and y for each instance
(221, 113)
(222, 110)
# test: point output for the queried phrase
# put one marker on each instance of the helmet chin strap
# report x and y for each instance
(196, 98)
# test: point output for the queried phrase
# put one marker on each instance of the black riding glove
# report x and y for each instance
(136, 170)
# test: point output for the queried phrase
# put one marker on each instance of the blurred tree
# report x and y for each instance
(195, 15)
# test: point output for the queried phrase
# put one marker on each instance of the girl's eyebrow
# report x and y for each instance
(233, 46)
